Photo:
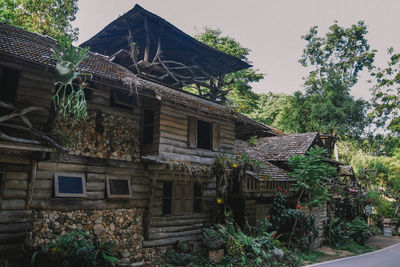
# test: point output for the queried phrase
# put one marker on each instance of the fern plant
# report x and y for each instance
(69, 100)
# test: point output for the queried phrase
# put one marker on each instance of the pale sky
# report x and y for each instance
(271, 29)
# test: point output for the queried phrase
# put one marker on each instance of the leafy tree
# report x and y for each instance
(386, 94)
(335, 61)
(313, 175)
(269, 108)
(241, 95)
(372, 165)
(48, 17)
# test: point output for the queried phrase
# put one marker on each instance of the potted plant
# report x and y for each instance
(214, 243)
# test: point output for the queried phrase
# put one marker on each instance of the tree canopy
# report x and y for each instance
(326, 104)
(47, 17)
(240, 96)
(386, 94)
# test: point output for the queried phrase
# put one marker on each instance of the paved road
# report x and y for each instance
(387, 257)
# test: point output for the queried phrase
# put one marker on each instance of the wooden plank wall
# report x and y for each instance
(174, 135)
(166, 230)
(15, 220)
(95, 173)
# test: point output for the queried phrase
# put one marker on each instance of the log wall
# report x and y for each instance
(95, 173)
(15, 216)
(167, 229)
(174, 135)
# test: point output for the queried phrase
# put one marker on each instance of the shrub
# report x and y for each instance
(375, 230)
(211, 239)
(343, 233)
(76, 249)
(359, 231)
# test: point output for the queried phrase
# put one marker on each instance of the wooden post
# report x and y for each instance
(31, 184)
(147, 48)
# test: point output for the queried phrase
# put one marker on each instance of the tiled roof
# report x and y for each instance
(37, 49)
(281, 148)
(268, 171)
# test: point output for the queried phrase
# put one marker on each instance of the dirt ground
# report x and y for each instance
(382, 241)
(375, 242)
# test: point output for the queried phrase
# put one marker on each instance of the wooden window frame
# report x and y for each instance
(193, 132)
(75, 175)
(174, 198)
(108, 186)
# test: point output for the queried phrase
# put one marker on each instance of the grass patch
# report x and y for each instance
(311, 257)
(357, 248)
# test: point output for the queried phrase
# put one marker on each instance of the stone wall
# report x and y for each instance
(101, 135)
(123, 226)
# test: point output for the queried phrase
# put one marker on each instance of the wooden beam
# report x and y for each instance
(147, 47)
(22, 146)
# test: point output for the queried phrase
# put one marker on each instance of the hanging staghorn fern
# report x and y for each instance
(69, 100)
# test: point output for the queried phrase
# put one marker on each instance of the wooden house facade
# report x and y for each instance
(137, 169)
(254, 198)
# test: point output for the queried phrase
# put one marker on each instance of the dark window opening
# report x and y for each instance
(203, 134)
(167, 198)
(8, 87)
(118, 187)
(1, 184)
(148, 127)
(69, 185)
(122, 100)
(197, 197)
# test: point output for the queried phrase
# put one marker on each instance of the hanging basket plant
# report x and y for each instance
(69, 98)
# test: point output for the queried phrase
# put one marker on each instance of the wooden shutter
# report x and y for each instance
(182, 197)
(192, 132)
(215, 136)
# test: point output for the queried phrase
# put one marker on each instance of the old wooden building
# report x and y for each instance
(137, 169)
(253, 198)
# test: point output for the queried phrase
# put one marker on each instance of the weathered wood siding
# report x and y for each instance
(15, 219)
(174, 135)
(167, 229)
(95, 173)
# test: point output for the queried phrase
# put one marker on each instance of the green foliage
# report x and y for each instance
(269, 108)
(375, 230)
(311, 257)
(241, 96)
(326, 105)
(386, 94)
(47, 17)
(211, 239)
(375, 163)
(313, 175)
(68, 100)
(76, 249)
(343, 233)
(253, 140)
